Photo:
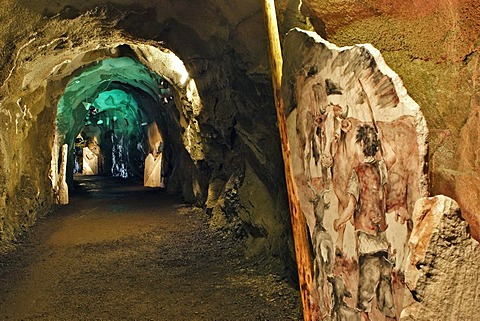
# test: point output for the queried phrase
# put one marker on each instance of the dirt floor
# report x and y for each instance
(124, 252)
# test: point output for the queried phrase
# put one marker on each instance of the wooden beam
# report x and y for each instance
(299, 226)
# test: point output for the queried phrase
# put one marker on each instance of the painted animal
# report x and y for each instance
(307, 127)
(323, 265)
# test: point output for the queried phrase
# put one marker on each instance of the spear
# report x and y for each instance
(369, 107)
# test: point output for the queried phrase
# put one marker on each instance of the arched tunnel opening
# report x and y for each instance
(118, 118)
(115, 116)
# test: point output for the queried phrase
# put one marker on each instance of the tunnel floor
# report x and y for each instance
(121, 251)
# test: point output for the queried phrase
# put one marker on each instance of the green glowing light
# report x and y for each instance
(104, 91)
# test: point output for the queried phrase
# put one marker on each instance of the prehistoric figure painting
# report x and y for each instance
(357, 144)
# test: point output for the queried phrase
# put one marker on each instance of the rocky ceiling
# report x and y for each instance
(222, 124)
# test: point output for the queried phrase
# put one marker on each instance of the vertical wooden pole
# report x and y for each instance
(299, 226)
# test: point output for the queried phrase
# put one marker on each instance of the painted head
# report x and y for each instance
(332, 119)
(368, 139)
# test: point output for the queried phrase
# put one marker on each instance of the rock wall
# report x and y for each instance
(433, 46)
(228, 147)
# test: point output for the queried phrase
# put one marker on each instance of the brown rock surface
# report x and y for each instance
(467, 182)
(432, 45)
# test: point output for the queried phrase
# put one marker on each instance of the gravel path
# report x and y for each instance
(124, 252)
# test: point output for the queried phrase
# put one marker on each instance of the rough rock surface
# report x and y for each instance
(141, 255)
(444, 264)
(433, 46)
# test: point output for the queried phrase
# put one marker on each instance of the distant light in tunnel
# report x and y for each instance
(86, 88)
(86, 105)
(114, 100)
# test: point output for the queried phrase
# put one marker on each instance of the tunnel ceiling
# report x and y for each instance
(106, 94)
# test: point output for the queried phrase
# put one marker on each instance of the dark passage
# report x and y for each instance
(122, 251)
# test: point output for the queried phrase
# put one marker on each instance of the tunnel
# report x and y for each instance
(167, 141)
(113, 114)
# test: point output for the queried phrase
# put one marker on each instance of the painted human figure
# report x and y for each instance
(367, 205)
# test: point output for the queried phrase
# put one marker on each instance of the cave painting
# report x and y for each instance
(357, 144)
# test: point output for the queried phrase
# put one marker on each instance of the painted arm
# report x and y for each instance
(347, 213)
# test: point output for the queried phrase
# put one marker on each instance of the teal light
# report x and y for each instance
(117, 104)
(105, 86)
(109, 103)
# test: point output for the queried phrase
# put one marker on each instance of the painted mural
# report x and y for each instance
(357, 144)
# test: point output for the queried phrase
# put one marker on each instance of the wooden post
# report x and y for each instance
(299, 226)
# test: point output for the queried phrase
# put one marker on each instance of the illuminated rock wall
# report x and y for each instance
(442, 268)
(228, 149)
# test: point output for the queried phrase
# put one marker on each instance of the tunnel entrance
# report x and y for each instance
(108, 116)
(117, 117)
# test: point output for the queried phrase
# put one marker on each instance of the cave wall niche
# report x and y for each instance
(332, 93)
